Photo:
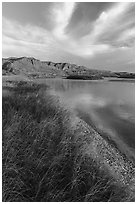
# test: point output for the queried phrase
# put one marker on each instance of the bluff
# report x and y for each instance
(35, 68)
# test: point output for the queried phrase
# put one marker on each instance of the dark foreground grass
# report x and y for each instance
(42, 157)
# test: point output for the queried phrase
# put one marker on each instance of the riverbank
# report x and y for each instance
(49, 154)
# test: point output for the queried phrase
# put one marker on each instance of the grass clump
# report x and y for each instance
(42, 159)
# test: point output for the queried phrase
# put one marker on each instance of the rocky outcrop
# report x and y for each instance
(32, 67)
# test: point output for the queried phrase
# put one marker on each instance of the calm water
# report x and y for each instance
(107, 105)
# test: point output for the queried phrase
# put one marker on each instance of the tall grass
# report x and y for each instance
(42, 157)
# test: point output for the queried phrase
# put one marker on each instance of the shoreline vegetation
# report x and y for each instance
(50, 155)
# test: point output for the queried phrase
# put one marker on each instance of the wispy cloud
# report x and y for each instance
(26, 33)
(34, 39)
(127, 35)
(91, 44)
(84, 48)
(110, 30)
(107, 20)
(62, 13)
(27, 40)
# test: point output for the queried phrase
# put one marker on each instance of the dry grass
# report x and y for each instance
(42, 159)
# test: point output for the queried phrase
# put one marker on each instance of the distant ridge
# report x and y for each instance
(31, 67)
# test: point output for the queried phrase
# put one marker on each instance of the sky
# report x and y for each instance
(98, 35)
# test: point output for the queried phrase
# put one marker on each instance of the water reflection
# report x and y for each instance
(109, 106)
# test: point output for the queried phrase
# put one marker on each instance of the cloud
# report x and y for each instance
(91, 44)
(108, 21)
(127, 35)
(37, 41)
(26, 33)
(62, 13)
(86, 49)
(27, 40)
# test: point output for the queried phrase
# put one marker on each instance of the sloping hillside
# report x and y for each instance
(29, 67)
(35, 68)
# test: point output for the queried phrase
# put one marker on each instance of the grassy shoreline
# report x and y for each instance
(51, 155)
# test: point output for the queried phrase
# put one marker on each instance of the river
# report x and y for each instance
(108, 106)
